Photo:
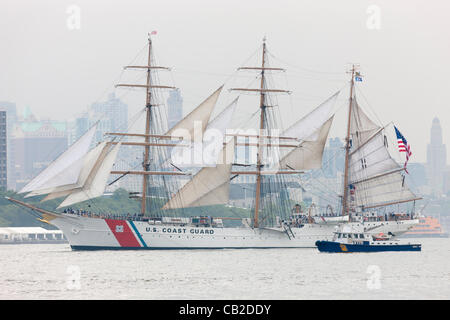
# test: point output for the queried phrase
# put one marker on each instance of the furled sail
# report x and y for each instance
(308, 155)
(375, 178)
(65, 169)
(97, 179)
(198, 117)
(210, 186)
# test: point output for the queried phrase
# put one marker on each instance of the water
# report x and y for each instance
(42, 271)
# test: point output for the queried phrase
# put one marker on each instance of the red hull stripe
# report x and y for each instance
(123, 233)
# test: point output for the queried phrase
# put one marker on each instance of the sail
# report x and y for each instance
(224, 119)
(97, 180)
(198, 117)
(383, 190)
(210, 186)
(310, 123)
(374, 176)
(361, 126)
(312, 132)
(205, 153)
(308, 155)
(65, 169)
(87, 164)
(371, 159)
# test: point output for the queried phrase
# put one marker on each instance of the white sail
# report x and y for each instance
(65, 169)
(371, 159)
(382, 190)
(209, 186)
(205, 153)
(310, 123)
(218, 195)
(97, 180)
(198, 117)
(308, 155)
(224, 119)
(87, 164)
(361, 127)
(312, 132)
(376, 178)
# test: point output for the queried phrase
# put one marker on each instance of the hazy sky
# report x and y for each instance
(58, 69)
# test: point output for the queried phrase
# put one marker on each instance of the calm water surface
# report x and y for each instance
(54, 271)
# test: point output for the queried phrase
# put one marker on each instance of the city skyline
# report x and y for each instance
(423, 175)
(399, 81)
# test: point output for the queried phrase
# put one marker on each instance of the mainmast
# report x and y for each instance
(345, 209)
(262, 125)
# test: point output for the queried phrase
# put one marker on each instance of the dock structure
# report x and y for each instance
(11, 235)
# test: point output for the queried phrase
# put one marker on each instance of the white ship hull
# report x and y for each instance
(107, 234)
(397, 228)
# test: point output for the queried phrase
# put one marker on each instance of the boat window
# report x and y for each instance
(339, 235)
(355, 236)
(349, 235)
(361, 236)
(344, 235)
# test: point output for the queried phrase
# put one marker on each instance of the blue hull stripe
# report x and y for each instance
(138, 234)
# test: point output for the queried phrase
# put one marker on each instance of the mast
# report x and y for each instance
(261, 128)
(148, 115)
(345, 209)
(145, 163)
(262, 105)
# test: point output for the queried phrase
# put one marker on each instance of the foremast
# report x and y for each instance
(148, 110)
(148, 118)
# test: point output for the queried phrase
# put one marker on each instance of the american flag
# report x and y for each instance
(403, 145)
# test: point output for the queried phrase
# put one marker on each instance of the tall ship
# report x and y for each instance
(171, 196)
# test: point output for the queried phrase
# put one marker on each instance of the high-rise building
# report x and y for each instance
(77, 127)
(35, 144)
(111, 114)
(3, 154)
(11, 119)
(436, 159)
(333, 158)
(175, 107)
(81, 125)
